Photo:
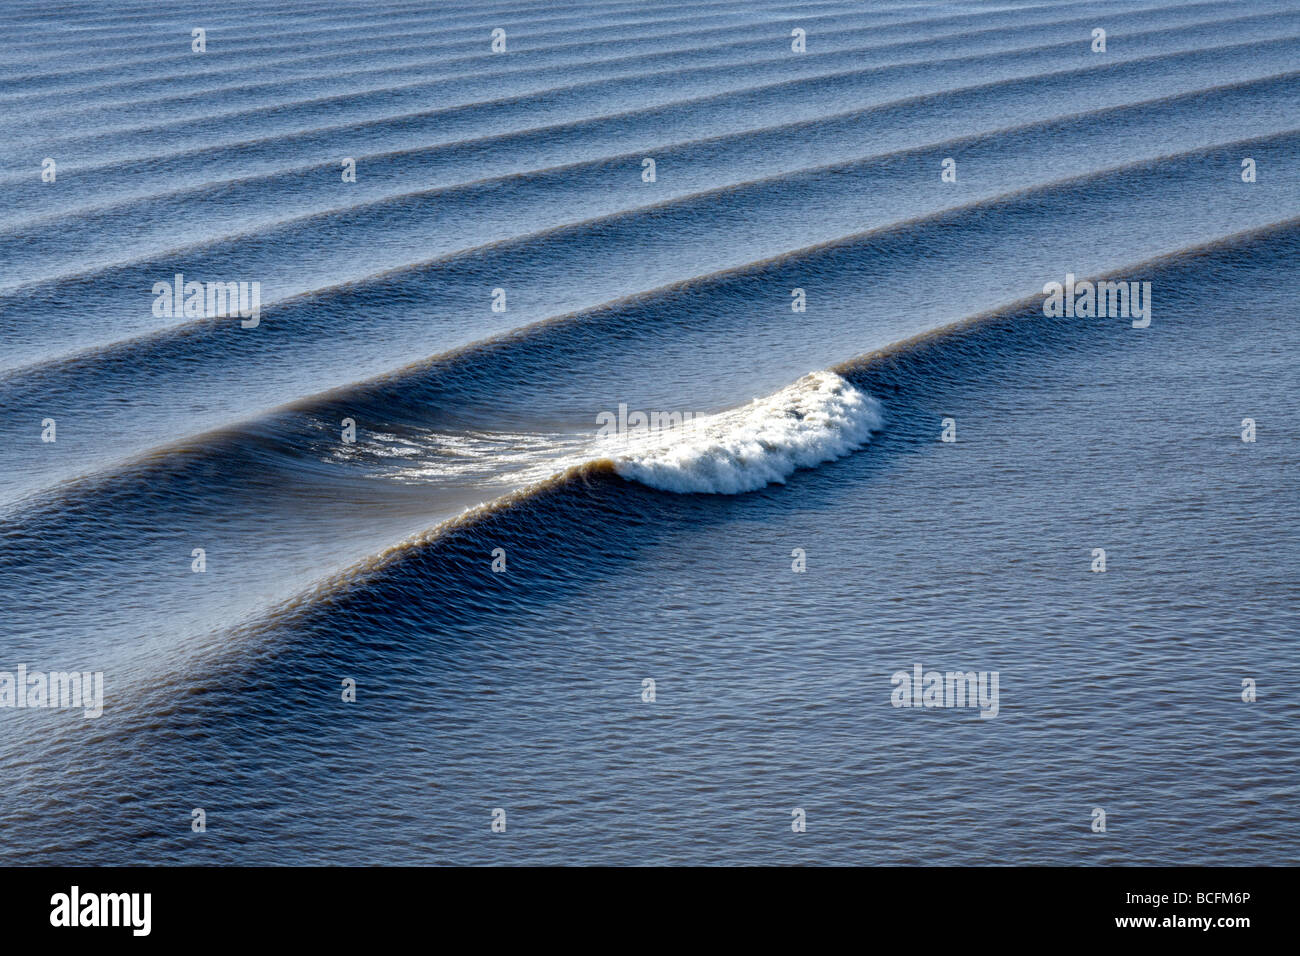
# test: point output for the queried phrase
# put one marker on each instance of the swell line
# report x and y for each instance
(525, 99)
(680, 200)
(357, 393)
(322, 38)
(582, 477)
(460, 145)
(182, 329)
(699, 35)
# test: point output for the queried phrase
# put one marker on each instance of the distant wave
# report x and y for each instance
(819, 418)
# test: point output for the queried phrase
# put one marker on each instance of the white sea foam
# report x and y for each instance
(819, 418)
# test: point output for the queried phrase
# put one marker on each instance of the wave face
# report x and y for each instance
(492, 449)
(817, 419)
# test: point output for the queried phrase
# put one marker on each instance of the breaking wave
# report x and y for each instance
(816, 419)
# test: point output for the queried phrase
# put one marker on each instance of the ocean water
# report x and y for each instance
(558, 507)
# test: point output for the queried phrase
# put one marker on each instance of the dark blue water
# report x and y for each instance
(663, 556)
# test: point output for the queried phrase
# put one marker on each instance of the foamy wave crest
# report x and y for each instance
(819, 418)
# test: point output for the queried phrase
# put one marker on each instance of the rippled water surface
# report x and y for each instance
(622, 370)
